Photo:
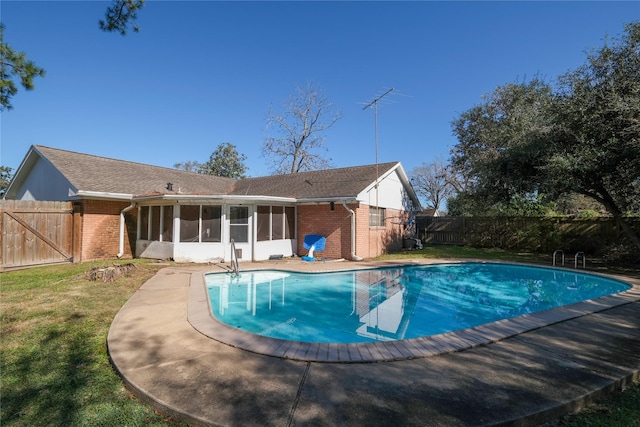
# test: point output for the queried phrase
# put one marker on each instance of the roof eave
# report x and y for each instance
(18, 177)
(103, 195)
(220, 197)
(312, 200)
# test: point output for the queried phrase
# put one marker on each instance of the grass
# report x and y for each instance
(596, 264)
(458, 252)
(53, 355)
(620, 409)
(53, 358)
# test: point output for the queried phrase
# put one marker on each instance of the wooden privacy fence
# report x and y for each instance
(527, 233)
(34, 233)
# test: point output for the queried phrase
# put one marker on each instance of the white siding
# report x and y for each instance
(44, 182)
(263, 250)
(390, 195)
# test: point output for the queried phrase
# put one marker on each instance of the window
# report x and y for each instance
(144, 222)
(200, 223)
(167, 223)
(155, 222)
(239, 223)
(289, 222)
(189, 221)
(376, 216)
(211, 216)
(276, 223)
(263, 223)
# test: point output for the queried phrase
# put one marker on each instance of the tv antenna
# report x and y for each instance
(374, 103)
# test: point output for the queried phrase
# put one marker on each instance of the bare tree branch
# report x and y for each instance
(300, 129)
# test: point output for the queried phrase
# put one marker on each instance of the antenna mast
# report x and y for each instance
(374, 103)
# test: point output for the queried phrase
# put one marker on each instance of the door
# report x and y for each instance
(240, 231)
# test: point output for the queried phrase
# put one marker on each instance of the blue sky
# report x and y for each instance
(201, 73)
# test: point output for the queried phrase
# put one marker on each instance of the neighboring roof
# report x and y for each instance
(91, 175)
(429, 212)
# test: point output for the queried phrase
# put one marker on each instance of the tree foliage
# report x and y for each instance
(5, 179)
(120, 15)
(225, 161)
(596, 134)
(14, 65)
(300, 127)
(531, 141)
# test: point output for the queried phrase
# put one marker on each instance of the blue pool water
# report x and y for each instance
(393, 303)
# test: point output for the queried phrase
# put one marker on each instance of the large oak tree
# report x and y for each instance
(533, 140)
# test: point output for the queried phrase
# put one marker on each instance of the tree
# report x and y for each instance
(225, 161)
(433, 183)
(498, 140)
(14, 64)
(495, 152)
(595, 138)
(306, 116)
(5, 179)
(189, 166)
(531, 142)
(120, 14)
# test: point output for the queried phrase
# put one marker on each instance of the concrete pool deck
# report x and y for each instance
(528, 378)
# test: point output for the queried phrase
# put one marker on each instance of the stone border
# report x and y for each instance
(201, 318)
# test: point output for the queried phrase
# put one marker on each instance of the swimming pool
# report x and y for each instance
(391, 304)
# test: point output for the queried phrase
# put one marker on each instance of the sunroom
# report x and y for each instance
(201, 228)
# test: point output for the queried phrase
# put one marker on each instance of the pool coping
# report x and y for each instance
(201, 319)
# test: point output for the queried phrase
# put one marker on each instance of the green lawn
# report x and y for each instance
(453, 252)
(53, 358)
(53, 355)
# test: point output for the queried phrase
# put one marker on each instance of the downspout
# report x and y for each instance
(354, 257)
(125, 210)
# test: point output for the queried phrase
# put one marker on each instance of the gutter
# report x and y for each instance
(121, 243)
(100, 195)
(354, 257)
(186, 198)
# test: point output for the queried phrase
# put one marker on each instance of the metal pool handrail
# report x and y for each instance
(234, 257)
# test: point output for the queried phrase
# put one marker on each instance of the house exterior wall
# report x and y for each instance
(374, 241)
(101, 229)
(44, 182)
(203, 251)
(263, 250)
(391, 193)
(336, 227)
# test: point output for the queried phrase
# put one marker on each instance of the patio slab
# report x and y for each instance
(527, 379)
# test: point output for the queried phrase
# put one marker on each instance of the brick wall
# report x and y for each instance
(101, 229)
(375, 241)
(336, 227)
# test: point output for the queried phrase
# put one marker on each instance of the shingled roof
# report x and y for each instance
(334, 183)
(94, 174)
(90, 173)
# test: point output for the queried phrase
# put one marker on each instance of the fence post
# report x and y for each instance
(76, 245)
